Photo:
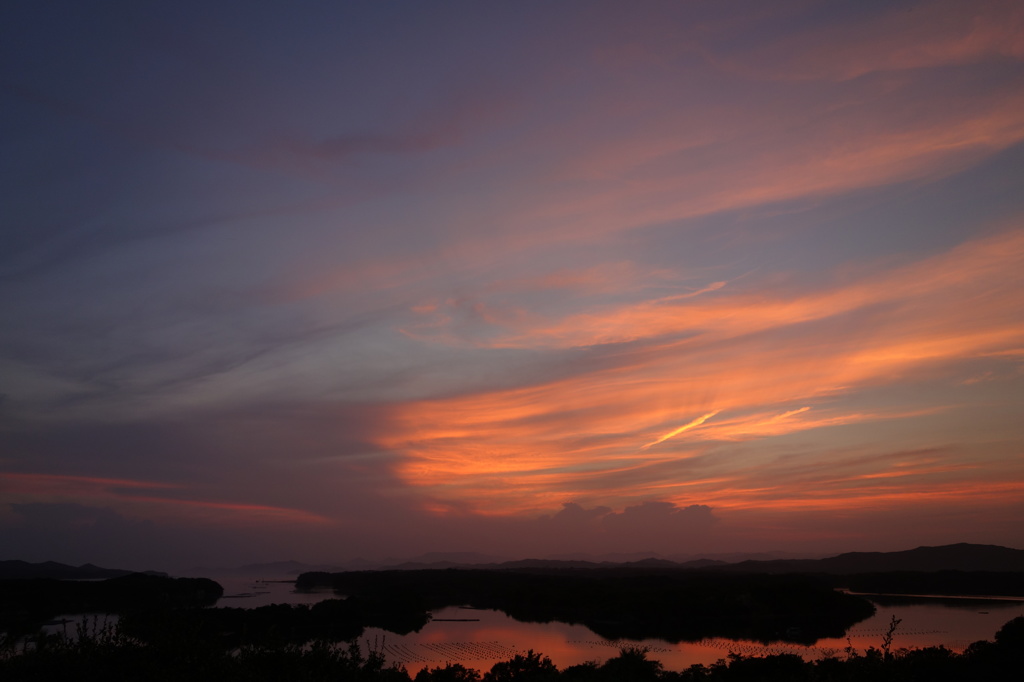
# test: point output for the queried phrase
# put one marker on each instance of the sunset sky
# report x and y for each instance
(326, 280)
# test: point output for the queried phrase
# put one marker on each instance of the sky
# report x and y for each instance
(325, 280)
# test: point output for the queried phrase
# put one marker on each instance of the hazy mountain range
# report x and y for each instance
(19, 570)
(438, 560)
(958, 557)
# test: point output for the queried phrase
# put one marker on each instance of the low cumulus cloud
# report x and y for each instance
(651, 526)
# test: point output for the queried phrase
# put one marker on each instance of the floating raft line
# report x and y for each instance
(455, 620)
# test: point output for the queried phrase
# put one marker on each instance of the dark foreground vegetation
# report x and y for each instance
(26, 604)
(634, 603)
(166, 631)
(989, 583)
(109, 655)
(13, 569)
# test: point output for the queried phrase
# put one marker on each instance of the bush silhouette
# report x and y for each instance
(631, 665)
(451, 672)
(529, 668)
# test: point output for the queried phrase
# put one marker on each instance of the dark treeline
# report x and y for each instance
(166, 630)
(13, 569)
(959, 557)
(274, 625)
(616, 604)
(172, 612)
(1005, 584)
(625, 603)
(26, 604)
(109, 655)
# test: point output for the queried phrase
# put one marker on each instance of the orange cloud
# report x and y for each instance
(685, 427)
(750, 365)
(56, 484)
(875, 498)
(51, 488)
(228, 513)
(668, 159)
(862, 139)
(983, 272)
(929, 35)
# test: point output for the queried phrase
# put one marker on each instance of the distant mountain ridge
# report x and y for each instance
(289, 568)
(959, 557)
(14, 569)
(956, 557)
(443, 560)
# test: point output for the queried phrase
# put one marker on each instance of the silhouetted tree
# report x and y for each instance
(631, 665)
(529, 668)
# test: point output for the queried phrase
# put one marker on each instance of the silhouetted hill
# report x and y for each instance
(23, 570)
(959, 557)
(26, 603)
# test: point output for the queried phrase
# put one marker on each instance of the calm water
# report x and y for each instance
(495, 637)
(248, 593)
(239, 591)
(480, 638)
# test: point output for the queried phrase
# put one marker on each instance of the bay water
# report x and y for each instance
(479, 638)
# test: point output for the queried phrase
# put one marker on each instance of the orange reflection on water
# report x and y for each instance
(496, 637)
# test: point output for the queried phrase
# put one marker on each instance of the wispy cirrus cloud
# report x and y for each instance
(485, 262)
(729, 367)
(138, 496)
(905, 36)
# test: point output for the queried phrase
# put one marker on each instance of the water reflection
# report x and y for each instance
(495, 637)
(480, 638)
(245, 592)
